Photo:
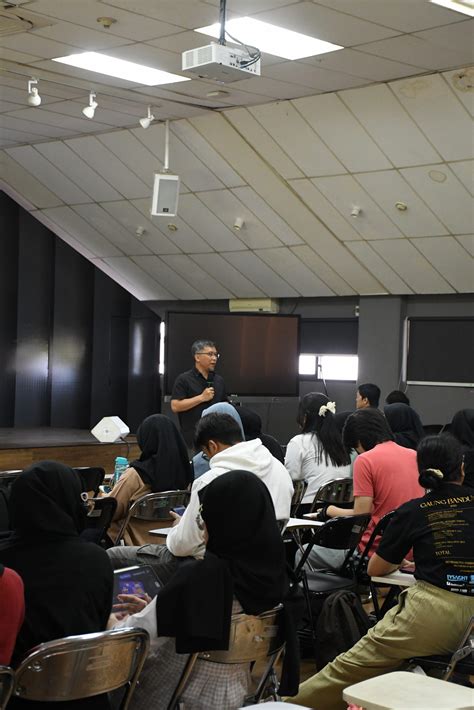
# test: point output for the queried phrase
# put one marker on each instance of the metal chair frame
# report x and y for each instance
(78, 667)
(337, 491)
(7, 681)
(252, 638)
(299, 489)
(153, 506)
(100, 516)
(448, 664)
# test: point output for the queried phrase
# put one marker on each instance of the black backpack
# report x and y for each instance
(341, 623)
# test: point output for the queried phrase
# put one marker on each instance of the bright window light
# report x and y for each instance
(307, 365)
(272, 39)
(161, 366)
(464, 6)
(338, 367)
(120, 68)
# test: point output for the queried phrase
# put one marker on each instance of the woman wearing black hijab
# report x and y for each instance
(405, 424)
(163, 466)
(462, 427)
(243, 570)
(252, 424)
(68, 582)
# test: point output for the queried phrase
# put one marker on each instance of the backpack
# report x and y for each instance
(341, 623)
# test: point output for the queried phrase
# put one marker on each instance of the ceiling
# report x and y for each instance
(386, 120)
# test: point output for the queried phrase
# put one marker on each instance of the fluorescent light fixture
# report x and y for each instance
(120, 68)
(307, 365)
(272, 39)
(464, 6)
(339, 367)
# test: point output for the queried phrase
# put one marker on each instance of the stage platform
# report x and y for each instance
(76, 447)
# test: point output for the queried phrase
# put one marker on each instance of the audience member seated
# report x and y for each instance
(385, 476)
(200, 460)
(220, 437)
(318, 454)
(405, 424)
(397, 396)
(68, 582)
(252, 424)
(243, 570)
(430, 616)
(12, 612)
(368, 395)
(462, 427)
(163, 466)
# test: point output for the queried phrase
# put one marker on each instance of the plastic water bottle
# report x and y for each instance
(121, 465)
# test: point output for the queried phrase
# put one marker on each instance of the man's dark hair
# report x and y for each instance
(397, 396)
(370, 392)
(218, 427)
(367, 427)
(198, 345)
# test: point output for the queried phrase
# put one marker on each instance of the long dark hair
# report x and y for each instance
(439, 460)
(328, 440)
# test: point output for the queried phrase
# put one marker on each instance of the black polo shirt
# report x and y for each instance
(190, 384)
(440, 528)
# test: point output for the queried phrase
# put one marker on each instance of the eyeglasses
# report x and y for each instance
(216, 355)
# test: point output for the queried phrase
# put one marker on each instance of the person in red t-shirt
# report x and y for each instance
(12, 611)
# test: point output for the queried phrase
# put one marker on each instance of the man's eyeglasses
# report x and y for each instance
(216, 355)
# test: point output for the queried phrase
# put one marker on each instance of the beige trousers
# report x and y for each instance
(426, 621)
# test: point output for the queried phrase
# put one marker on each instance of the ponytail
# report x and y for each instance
(439, 461)
(431, 478)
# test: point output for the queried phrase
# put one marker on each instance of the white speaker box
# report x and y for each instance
(165, 195)
(110, 429)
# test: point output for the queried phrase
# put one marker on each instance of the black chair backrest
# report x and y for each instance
(7, 680)
(91, 478)
(99, 518)
(4, 514)
(337, 491)
(8, 477)
(379, 529)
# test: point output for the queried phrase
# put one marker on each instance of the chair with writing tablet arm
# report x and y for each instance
(7, 680)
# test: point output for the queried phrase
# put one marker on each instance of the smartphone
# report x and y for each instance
(105, 489)
(139, 580)
(179, 510)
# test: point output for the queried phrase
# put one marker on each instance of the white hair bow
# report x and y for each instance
(330, 406)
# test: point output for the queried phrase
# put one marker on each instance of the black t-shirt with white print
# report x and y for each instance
(440, 529)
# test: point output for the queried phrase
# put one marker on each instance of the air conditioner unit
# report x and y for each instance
(254, 305)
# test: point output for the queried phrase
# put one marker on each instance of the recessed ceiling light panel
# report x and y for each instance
(272, 39)
(464, 6)
(120, 68)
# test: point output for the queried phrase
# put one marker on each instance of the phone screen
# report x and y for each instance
(139, 580)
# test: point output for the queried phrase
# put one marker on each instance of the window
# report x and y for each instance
(329, 367)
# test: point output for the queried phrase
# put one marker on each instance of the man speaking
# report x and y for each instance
(198, 388)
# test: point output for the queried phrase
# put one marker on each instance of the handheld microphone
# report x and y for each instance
(210, 379)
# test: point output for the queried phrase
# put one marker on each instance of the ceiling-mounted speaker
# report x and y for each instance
(165, 195)
(110, 429)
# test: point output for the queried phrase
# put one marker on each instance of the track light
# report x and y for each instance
(238, 224)
(145, 122)
(89, 110)
(34, 99)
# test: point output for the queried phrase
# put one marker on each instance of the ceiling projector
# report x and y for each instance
(220, 62)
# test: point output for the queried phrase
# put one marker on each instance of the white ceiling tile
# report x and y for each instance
(110, 228)
(50, 87)
(194, 173)
(295, 272)
(389, 125)
(185, 13)
(344, 192)
(133, 154)
(19, 96)
(227, 207)
(377, 266)
(81, 230)
(48, 174)
(324, 210)
(449, 199)
(197, 277)
(78, 171)
(309, 74)
(327, 24)
(36, 45)
(26, 184)
(250, 7)
(136, 280)
(8, 124)
(297, 139)
(416, 51)
(461, 82)
(184, 237)
(351, 61)
(103, 116)
(260, 274)
(458, 35)
(267, 88)
(403, 15)
(235, 280)
(86, 38)
(130, 218)
(387, 188)
(267, 215)
(443, 119)
(407, 261)
(19, 137)
(262, 142)
(8, 106)
(331, 277)
(465, 172)
(451, 260)
(4, 143)
(200, 218)
(344, 135)
(467, 241)
(164, 275)
(13, 56)
(104, 162)
(67, 125)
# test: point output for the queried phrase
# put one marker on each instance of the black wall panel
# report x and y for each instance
(144, 394)
(8, 305)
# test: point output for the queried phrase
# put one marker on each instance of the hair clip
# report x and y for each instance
(436, 471)
(329, 407)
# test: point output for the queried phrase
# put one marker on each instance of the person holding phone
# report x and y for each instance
(197, 388)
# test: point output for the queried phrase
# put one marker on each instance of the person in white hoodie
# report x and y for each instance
(220, 438)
